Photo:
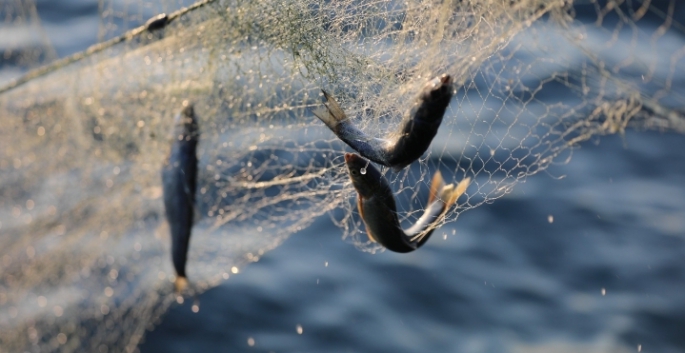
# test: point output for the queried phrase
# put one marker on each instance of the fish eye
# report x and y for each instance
(354, 172)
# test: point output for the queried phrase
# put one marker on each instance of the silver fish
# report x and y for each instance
(376, 204)
(178, 182)
(416, 132)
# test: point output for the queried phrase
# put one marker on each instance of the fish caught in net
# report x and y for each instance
(401, 148)
(84, 245)
(376, 206)
(179, 180)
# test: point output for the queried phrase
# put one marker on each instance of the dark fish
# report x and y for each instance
(178, 181)
(376, 204)
(414, 137)
(157, 22)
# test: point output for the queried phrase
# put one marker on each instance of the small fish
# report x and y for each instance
(376, 204)
(412, 140)
(157, 22)
(178, 182)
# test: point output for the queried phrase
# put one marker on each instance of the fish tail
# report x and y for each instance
(447, 193)
(332, 115)
(180, 284)
(448, 197)
(450, 193)
(441, 198)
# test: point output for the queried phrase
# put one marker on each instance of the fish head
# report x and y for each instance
(439, 88)
(365, 177)
(186, 123)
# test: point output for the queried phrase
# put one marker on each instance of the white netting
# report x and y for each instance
(84, 251)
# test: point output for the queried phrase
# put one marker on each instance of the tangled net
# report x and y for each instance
(84, 252)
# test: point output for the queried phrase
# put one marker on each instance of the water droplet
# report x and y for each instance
(363, 171)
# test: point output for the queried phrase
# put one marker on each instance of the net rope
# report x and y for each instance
(84, 250)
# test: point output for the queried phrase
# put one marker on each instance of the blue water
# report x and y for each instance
(606, 275)
(586, 257)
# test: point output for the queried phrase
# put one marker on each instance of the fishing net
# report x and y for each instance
(84, 252)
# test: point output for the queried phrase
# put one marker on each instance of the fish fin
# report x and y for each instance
(436, 184)
(370, 235)
(332, 115)
(360, 207)
(180, 284)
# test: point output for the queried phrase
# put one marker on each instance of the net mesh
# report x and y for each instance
(84, 248)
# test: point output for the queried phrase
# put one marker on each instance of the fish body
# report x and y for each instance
(179, 175)
(419, 129)
(416, 131)
(376, 204)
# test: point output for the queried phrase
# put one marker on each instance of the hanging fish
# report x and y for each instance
(157, 22)
(376, 204)
(412, 140)
(178, 181)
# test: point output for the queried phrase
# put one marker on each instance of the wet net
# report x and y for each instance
(84, 247)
